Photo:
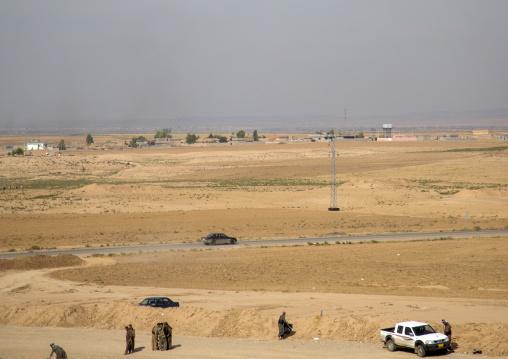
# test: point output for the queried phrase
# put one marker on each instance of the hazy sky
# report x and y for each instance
(121, 59)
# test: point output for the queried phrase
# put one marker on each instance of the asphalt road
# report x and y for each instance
(84, 252)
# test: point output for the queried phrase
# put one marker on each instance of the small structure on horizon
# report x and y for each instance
(387, 130)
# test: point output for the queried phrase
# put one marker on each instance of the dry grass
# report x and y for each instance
(252, 191)
(474, 268)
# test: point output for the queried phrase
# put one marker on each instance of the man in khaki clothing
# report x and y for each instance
(128, 341)
(169, 335)
(155, 339)
(447, 328)
(162, 337)
(133, 332)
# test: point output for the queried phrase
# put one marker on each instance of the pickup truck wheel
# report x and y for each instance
(232, 241)
(420, 350)
(391, 345)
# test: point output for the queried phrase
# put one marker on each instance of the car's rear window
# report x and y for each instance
(144, 302)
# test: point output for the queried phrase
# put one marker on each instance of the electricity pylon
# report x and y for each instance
(333, 195)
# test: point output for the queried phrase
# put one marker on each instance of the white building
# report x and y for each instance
(35, 145)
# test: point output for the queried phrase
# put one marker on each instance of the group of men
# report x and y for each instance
(162, 336)
(130, 335)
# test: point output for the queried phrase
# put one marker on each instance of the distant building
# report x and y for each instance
(38, 144)
(319, 137)
(482, 132)
(162, 142)
(236, 141)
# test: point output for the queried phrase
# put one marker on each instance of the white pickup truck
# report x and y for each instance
(415, 335)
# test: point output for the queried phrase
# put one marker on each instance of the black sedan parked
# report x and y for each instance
(159, 302)
(218, 238)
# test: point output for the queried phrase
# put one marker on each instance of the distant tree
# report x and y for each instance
(89, 139)
(18, 151)
(211, 136)
(240, 134)
(134, 141)
(164, 133)
(160, 134)
(332, 132)
(61, 145)
(223, 139)
(359, 135)
(141, 139)
(255, 135)
(190, 139)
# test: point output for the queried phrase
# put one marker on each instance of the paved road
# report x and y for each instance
(83, 252)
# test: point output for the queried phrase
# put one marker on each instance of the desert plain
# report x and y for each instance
(337, 295)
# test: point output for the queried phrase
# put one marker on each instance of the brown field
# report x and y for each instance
(93, 198)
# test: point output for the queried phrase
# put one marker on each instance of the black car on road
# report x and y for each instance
(159, 302)
(218, 238)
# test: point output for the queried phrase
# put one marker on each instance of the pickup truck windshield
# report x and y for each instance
(424, 329)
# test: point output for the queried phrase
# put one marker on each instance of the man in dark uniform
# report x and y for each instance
(282, 325)
(59, 352)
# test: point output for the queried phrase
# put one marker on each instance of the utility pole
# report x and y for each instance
(344, 126)
(333, 195)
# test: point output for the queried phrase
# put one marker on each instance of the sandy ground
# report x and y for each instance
(341, 294)
(256, 191)
(479, 317)
(111, 344)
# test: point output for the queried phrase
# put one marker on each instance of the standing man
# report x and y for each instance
(128, 341)
(59, 352)
(133, 332)
(282, 325)
(162, 337)
(169, 335)
(447, 328)
(155, 339)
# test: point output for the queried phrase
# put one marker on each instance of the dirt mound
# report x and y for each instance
(40, 261)
(236, 323)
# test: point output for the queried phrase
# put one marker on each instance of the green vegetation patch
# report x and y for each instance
(497, 148)
(277, 182)
(452, 187)
(55, 183)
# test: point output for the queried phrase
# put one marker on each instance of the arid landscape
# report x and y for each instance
(341, 293)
